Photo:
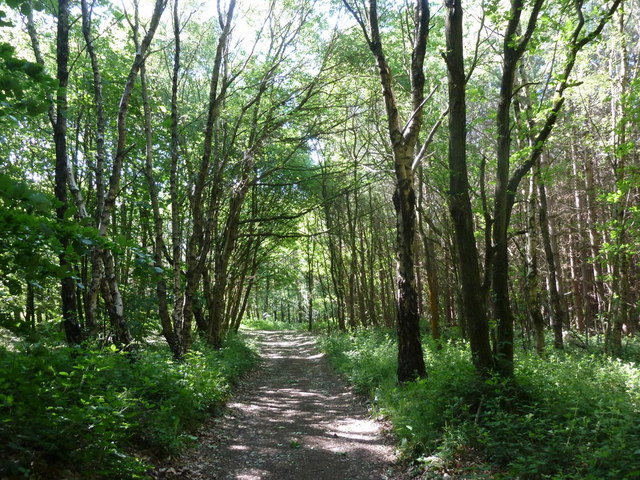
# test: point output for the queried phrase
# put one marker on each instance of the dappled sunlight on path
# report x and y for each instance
(292, 419)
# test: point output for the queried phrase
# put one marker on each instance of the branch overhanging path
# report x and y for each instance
(294, 418)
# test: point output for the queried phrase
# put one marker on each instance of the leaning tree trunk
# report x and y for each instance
(216, 297)
(197, 246)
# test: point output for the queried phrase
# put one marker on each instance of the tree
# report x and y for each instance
(459, 201)
(403, 139)
(104, 264)
(508, 183)
(515, 43)
(68, 287)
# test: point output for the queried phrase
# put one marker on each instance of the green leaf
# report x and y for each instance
(25, 8)
(15, 288)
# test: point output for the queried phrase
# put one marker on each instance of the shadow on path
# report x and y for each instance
(292, 419)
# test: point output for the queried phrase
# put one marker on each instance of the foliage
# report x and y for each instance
(567, 415)
(23, 84)
(367, 359)
(271, 324)
(68, 409)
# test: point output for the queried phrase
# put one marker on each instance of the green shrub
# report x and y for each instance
(91, 410)
(565, 416)
(367, 358)
(268, 323)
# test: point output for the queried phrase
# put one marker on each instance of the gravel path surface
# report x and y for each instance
(293, 418)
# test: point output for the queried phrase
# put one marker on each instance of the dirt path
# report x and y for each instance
(292, 419)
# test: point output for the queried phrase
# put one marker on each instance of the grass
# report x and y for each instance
(65, 410)
(568, 415)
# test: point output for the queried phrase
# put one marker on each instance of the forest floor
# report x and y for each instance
(292, 418)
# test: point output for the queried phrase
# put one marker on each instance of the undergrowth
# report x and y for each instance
(567, 415)
(271, 324)
(65, 410)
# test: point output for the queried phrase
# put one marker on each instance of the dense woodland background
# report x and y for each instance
(172, 171)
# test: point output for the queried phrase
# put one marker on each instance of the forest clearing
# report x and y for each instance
(237, 237)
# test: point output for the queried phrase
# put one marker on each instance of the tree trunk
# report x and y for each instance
(215, 332)
(430, 268)
(474, 312)
(114, 302)
(533, 294)
(403, 142)
(30, 314)
(72, 328)
(410, 359)
(559, 317)
(595, 238)
(433, 284)
(158, 230)
(620, 256)
(514, 47)
(181, 337)
(197, 249)
(104, 274)
(586, 315)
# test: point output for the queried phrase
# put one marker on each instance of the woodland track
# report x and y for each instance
(292, 418)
